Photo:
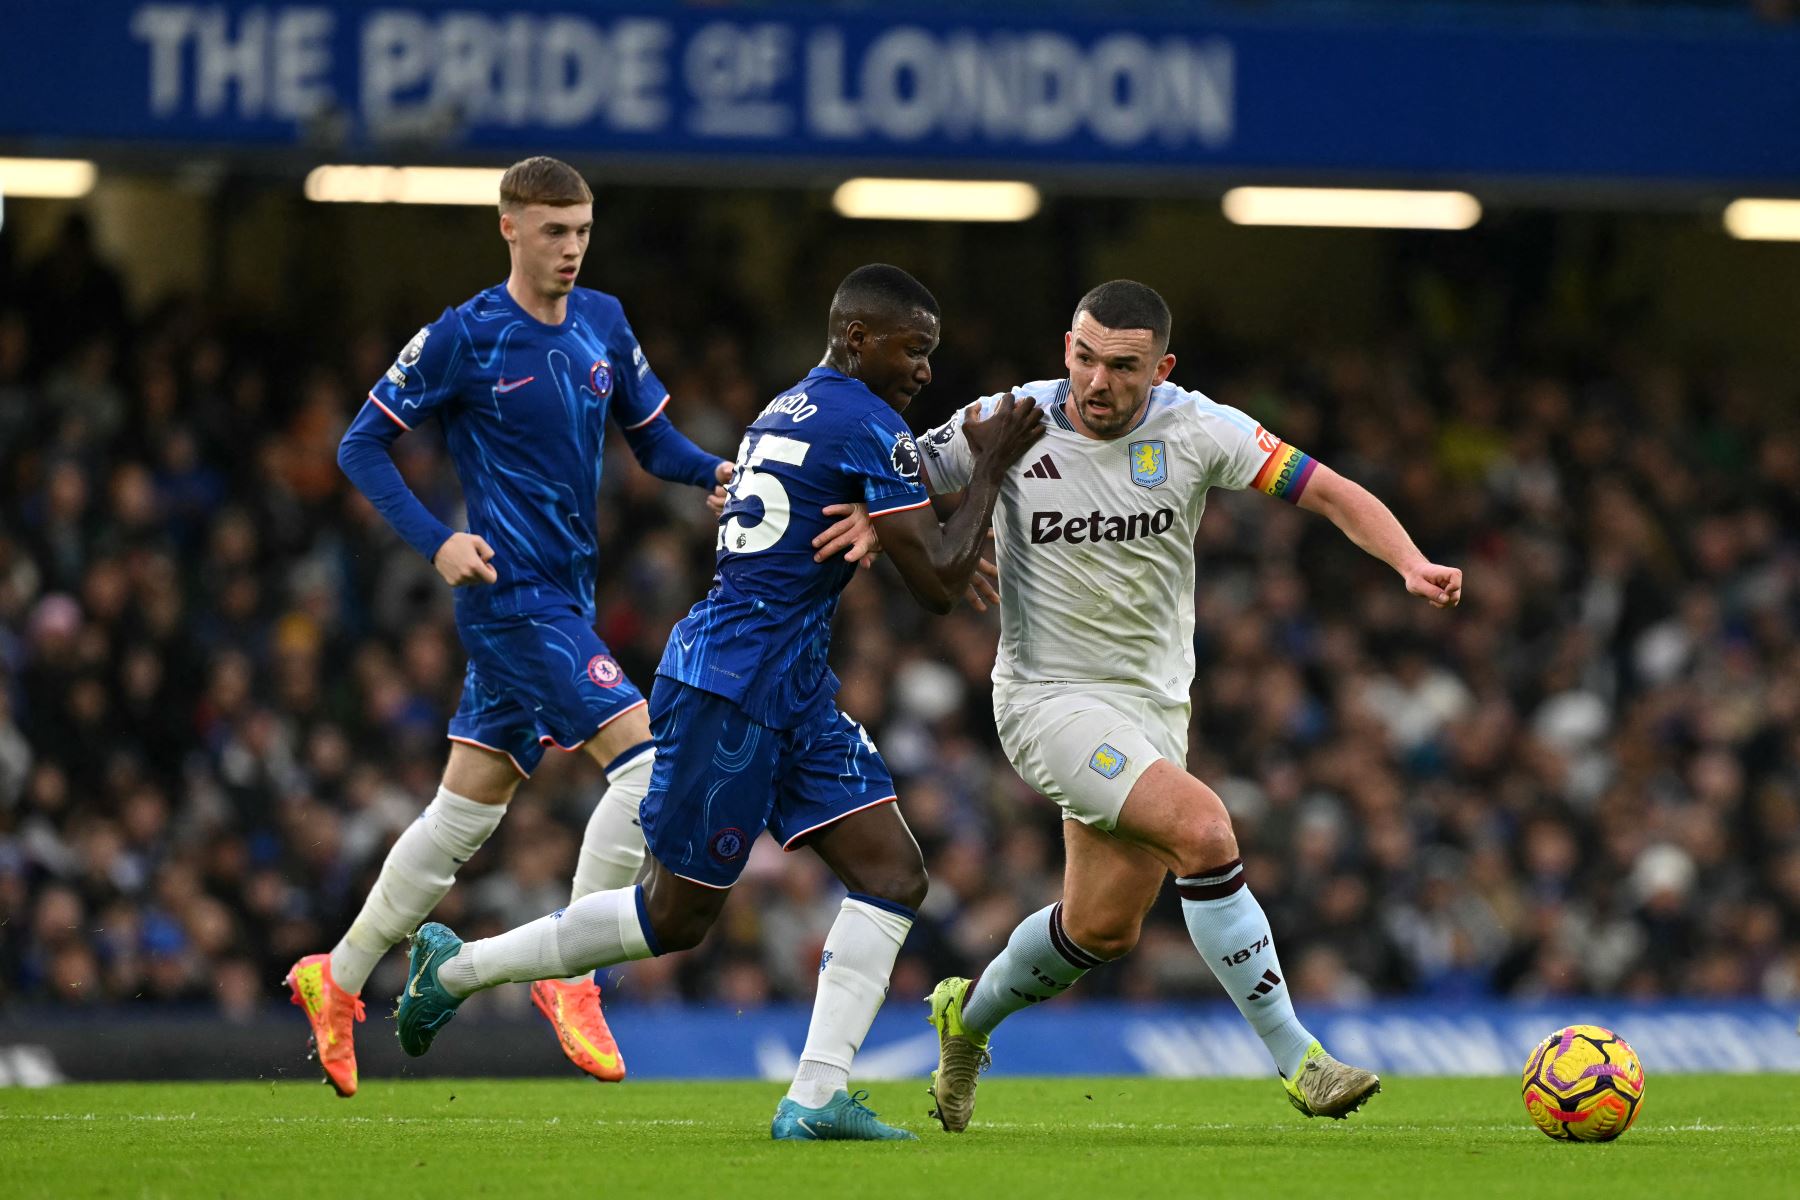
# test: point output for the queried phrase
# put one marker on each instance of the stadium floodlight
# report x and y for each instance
(47, 178)
(1763, 220)
(1351, 208)
(935, 200)
(344, 184)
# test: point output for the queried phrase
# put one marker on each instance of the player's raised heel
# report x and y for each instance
(425, 1005)
(962, 1056)
(332, 1013)
(1325, 1087)
(843, 1119)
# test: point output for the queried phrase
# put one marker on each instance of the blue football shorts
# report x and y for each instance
(721, 779)
(536, 680)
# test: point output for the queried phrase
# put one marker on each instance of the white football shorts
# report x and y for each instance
(1084, 745)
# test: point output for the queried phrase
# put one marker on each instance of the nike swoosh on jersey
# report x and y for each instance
(504, 387)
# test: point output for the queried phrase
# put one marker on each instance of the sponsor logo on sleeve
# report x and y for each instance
(938, 438)
(409, 354)
(905, 457)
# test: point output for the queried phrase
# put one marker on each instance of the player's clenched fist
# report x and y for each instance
(717, 498)
(1011, 429)
(464, 560)
(1442, 586)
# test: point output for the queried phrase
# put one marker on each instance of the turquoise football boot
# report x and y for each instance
(425, 1007)
(843, 1119)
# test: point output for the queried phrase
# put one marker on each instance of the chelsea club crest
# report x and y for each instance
(600, 377)
(1149, 464)
(728, 845)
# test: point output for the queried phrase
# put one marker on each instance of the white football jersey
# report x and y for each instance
(1096, 538)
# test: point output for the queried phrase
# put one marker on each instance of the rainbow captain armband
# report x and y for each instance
(1285, 474)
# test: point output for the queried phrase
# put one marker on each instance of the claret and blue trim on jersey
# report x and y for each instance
(761, 635)
(523, 406)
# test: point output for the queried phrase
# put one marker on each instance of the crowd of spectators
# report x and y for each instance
(224, 682)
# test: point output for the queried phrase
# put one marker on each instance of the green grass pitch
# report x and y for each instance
(1698, 1135)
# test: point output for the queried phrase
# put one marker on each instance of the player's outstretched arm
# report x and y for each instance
(937, 562)
(1366, 521)
(855, 538)
(666, 453)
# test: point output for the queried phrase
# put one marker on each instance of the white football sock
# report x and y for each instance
(1040, 961)
(612, 849)
(815, 1083)
(853, 981)
(1232, 935)
(417, 872)
(596, 931)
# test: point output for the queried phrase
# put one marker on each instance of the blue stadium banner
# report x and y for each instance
(1149, 91)
(1204, 1040)
(1212, 1040)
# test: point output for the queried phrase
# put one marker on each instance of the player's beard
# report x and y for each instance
(1115, 422)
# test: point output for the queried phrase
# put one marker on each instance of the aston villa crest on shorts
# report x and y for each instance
(1107, 760)
(1149, 464)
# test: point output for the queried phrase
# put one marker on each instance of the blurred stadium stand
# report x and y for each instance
(224, 683)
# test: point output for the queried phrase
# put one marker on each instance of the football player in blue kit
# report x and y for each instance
(744, 708)
(521, 378)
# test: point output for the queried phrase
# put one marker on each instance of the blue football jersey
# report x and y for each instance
(523, 407)
(762, 634)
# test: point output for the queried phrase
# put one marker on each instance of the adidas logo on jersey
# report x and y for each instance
(1049, 527)
(1043, 468)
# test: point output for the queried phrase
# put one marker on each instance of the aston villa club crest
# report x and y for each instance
(600, 378)
(1108, 761)
(1149, 464)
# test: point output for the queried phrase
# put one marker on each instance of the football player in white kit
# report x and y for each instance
(1095, 529)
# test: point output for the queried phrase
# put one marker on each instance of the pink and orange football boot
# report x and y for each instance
(332, 1012)
(573, 1010)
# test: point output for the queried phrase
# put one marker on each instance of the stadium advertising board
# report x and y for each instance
(1658, 102)
(1176, 1041)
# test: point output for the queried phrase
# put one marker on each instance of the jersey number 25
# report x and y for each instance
(748, 482)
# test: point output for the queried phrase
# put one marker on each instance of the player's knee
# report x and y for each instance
(903, 883)
(910, 886)
(1102, 936)
(1206, 843)
(680, 931)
